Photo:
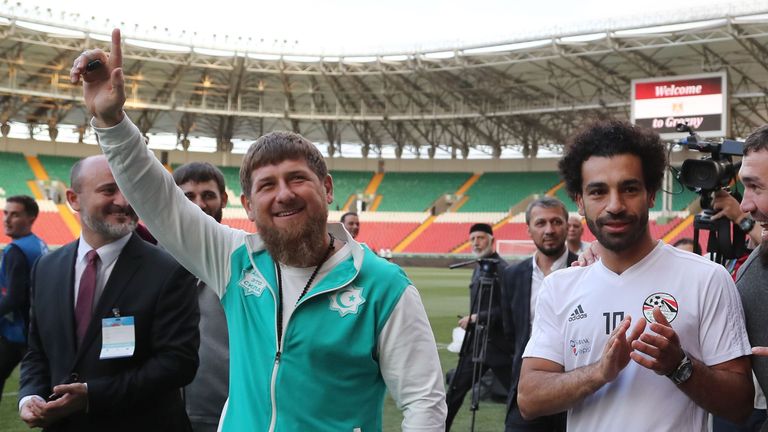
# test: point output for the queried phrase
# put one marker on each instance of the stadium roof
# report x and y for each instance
(516, 97)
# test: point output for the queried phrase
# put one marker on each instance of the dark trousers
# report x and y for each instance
(516, 423)
(461, 383)
(10, 356)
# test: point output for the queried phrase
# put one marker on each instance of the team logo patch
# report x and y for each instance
(666, 303)
(347, 301)
(580, 346)
(577, 314)
(252, 282)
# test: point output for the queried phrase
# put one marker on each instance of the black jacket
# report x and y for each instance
(499, 349)
(138, 393)
(516, 313)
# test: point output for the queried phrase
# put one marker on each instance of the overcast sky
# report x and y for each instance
(357, 26)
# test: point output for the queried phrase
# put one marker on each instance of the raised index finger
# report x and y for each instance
(116, 55)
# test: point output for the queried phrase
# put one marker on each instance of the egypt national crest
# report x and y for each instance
(252, 282)
(666, 303)
(347, 301)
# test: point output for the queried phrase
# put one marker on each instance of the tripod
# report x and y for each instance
(476, 340)
(719, 244)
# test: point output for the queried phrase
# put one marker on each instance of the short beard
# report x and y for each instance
(108, 230)
(552, 252)
(620, 244)
(299, 247)
(218, 215)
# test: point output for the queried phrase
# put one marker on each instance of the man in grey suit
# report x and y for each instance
(113, 330)
(547, 220)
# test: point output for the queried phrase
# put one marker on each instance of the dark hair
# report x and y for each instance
(688, 241)
(344, 216)
(757, 140)
(545, 202)
(199, 172)
(276, 147)
(29, 204)
(611, 138)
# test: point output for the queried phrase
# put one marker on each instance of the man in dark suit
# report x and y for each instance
(113, 328)
(498, 350)
(547, 220)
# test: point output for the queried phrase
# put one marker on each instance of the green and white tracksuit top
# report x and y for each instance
(359, 331)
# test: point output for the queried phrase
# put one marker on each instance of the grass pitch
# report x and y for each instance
(445, 295)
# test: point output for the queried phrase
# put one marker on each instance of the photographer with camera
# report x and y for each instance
(489, 345)
(548, 225)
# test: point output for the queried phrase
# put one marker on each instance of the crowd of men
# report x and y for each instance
(300, 327)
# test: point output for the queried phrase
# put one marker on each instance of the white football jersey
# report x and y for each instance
(580, 306)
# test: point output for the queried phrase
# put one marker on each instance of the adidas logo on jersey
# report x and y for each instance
(577, 314)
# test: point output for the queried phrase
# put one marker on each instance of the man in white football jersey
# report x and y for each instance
(648, 338)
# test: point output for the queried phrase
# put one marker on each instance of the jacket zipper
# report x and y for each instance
(279, 333)
(273, 421)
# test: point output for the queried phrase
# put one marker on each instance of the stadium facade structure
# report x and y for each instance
(523, 96)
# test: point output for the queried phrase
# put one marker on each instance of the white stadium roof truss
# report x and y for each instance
(521, 96)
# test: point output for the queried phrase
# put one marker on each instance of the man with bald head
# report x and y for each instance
(573, 239)
(113, 330)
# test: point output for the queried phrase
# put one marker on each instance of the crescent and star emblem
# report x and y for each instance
(347, 301)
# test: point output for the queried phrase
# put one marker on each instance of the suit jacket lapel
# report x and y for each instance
(525, 308)
(128, 263)
(65, 295)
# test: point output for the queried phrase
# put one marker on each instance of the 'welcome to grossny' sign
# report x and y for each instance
(698, 100)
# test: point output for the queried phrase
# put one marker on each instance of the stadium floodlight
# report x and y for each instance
(671, 28)
(332, 59)
(213, 52)
(51, 30)
(301, 58)
(581, 38)
(269, 57)
(439, 55)
(507, 47)
(158, 46)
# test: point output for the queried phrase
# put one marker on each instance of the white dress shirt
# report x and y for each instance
(538, 276)
(107, 258)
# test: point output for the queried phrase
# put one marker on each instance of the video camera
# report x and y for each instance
(710, 173)
(705, 176)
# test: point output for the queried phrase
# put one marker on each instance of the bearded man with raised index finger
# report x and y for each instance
(320, 328)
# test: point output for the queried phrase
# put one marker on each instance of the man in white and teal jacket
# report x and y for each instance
(319, 326)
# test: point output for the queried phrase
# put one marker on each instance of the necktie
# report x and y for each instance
(84, 307)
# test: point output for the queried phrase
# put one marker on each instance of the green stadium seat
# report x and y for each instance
(346, 183)
(58, 167)
(497, 192)
(14, 174)
(412, 191)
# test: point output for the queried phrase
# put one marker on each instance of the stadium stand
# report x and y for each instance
(415, 192)
(58, 167)
(498, 191)
(14, 174)
(346, 183)
(49, 225)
